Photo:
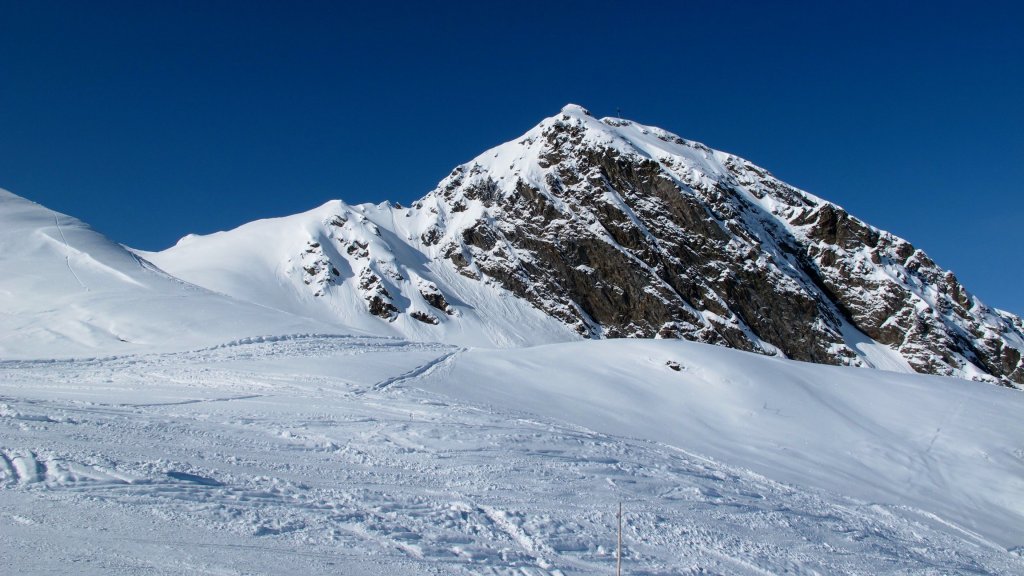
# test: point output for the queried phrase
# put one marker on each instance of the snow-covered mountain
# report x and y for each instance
(66, 290)
(588, 228)
(255, 412)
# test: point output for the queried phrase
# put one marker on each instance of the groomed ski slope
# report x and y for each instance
(368, 455)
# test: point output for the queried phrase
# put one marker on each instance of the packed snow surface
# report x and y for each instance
(370, 455)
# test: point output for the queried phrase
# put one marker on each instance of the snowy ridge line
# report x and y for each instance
(130, 306)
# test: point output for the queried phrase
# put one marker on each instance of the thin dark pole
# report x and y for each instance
(618, 549)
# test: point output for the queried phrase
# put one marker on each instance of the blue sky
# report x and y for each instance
(153, 120)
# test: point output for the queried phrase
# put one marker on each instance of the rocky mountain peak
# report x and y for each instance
(625, 230)
(607, 228)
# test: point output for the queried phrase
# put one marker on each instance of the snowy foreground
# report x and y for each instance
(369, 455)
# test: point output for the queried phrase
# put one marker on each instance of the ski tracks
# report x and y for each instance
(417, 372)
(309, 465)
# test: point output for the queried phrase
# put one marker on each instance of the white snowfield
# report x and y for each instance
(358, 455)
(148, 426)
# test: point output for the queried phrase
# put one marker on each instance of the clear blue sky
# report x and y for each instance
(151, 120)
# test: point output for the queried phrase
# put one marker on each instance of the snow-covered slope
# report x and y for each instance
(936, 446)
(66, 290)
(610, 228)
(379, 456)
(358, 266)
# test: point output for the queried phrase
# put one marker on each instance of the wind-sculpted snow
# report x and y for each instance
(356, 455)
(66, 290)
(588, 228)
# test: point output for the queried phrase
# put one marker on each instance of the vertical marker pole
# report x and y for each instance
(618, 549)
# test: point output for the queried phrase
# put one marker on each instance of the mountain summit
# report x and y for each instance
(606, 228)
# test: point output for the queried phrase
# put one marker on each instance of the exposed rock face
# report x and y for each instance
(320, 272)
(623, 230)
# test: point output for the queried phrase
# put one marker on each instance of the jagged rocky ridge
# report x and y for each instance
(617, 229)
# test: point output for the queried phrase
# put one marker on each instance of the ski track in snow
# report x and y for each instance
(209, 462)
(417, 372)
